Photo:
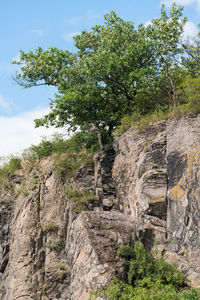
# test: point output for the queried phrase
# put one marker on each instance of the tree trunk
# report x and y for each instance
(100, 138)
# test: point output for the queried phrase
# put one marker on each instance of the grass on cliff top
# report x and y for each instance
(186, 102)
(141, 122)
(147, 278)
(8, 169)
(79, 150)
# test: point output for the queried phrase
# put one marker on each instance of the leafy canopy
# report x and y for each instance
(116, 70)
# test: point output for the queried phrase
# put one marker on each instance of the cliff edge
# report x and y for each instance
(59, 235)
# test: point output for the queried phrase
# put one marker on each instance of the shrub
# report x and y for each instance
(22, 189)
(147, 278)
(79, 142)
(140, 264)
(11, 166)
(80, 198)
(58, 245)
(51, 227)
(72, 162)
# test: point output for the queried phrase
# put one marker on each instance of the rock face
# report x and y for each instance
(157, 181)
(149, 184)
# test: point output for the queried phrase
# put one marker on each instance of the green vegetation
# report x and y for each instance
(69, 156)
(22, 189)
(79, 150)
(142, 173)
(51, 227)
(57, 144)
(140, 122)
(68, 165)
(44, 290)
(147, 278)
(61, 267)
(80, 198)
(9, 168)
(56, 246)
(119, 76)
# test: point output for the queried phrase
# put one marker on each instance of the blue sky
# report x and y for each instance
(26, 25)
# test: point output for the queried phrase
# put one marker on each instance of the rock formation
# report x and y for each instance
(148, 183)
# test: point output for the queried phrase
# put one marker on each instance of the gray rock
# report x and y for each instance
(148, 184)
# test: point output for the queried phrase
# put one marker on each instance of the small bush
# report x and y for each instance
(140, 264)
(51, 227)
(61, 267)
(22, 189)
(147, 278)
(11, 166)
(71, 163)
(191, 106)
(44, 290)
(80, 198)
(58, 245)
(79, 142)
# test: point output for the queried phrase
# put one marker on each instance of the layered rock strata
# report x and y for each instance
(148, 183)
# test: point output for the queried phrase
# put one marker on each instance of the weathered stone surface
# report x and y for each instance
(148, 184)
(156, 173)
(91, 250)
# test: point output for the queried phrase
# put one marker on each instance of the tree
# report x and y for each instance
(116, 70)
(192, 60)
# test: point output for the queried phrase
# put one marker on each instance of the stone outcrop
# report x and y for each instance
(156, 175)
(148, 183)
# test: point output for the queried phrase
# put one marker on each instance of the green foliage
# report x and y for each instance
(192, 60)
(116, 70)
(80, 141)
(22, 189)
(78, 150)
(47, 147)
(80, 198)
(61, 267)
(44, 290)
(190, 91)
(142, 173)
(51, 227)
(8, 169)
(56, 246)
(11, 166)
(14, 164)
(147, 278)
(141, 264)
(68, 165)
(147, 290)
(140, 122)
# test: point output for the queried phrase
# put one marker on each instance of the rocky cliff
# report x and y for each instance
(53, 246)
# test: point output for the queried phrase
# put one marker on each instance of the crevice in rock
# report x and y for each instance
(104, 185)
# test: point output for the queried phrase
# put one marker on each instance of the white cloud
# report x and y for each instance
(190, 31)
(18, 132)
(181, 2)
(68, 37)
(39, 32)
